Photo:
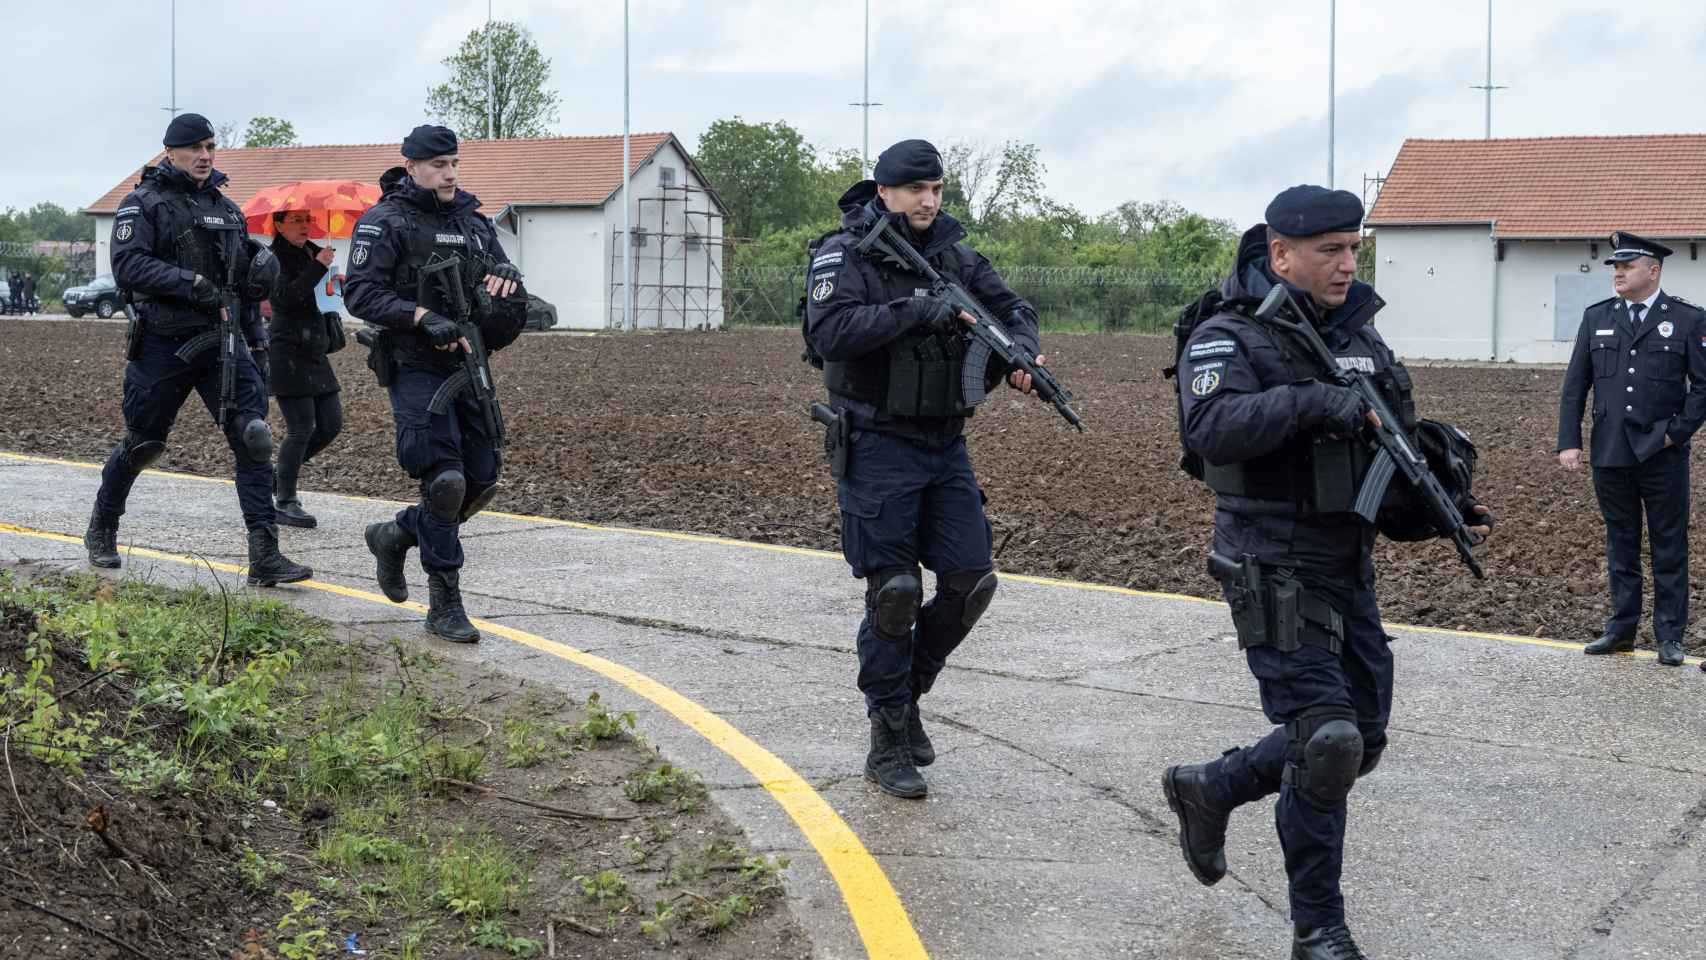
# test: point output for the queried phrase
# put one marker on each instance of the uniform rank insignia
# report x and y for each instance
(358, 256)
(1206, 379)
(1666, 328)
(124, 231)
(824, 288)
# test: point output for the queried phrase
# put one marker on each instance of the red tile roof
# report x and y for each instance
(566, 171)
(1552, 187)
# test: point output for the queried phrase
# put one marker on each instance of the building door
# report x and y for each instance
(1571, 294)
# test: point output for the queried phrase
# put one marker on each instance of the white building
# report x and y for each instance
(1490, 249)
(557, 206)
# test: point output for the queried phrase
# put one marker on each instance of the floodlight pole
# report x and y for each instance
(864, 102)
(1489, 86)
(1332, 54)
(627, 176)
(173, 109)
(491, 81)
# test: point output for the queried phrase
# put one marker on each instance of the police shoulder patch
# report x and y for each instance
(358, 255)
(822, 289)
(1206, 378)
(124, 231)
(369, 230)
(1219, 347)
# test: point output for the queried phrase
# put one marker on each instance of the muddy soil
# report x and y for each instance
(709, 432)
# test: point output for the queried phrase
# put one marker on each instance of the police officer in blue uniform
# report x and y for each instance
(892, 358)
(182, 251)
(1279, 447)
(423, 218)
(1643, 354)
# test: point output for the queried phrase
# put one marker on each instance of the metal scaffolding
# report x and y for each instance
(678, 250)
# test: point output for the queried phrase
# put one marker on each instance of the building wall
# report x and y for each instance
(562, 252)
(677, 284)
(103, 243)
(1438, 287)
(1447, 314)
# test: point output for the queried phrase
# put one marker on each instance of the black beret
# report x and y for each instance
(427, 141)
(185, 129)
(1307, 210)
(1627, 246)
(907, 161)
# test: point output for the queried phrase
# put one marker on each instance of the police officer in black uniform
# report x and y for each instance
(1643, 353)
(422, 219)
(182, 251)
(1280, 449)
(892, 357)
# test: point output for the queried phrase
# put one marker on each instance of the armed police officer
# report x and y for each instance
(425, 268)
(1643, 354)
(1281, 449)
(892, 358)
(181, 249)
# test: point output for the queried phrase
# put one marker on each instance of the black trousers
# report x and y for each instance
(310, 425)
(1660, 488)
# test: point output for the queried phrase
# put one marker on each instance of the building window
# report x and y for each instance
(693, 241)
(666, 176)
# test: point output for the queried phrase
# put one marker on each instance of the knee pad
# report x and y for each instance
(478, 499)
(138, 452)
(257, 441)
(444, 495)
(972, 590)
(1325, 756)
(891, 600)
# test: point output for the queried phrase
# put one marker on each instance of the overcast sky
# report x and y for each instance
(1215, 103)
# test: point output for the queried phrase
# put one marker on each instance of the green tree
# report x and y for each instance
(513, 93)
(270, 132)
(767, 175)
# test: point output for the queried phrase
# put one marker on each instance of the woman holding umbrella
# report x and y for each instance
(301, 376)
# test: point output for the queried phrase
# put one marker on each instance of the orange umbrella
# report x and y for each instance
(336, 205)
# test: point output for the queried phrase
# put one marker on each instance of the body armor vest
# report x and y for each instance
(1318, 473)
(918, 374)
(203, 235)
(431, 235)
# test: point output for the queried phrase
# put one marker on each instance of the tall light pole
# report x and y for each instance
(627, 176)
(1488, 87)
(491, 81)
(172, 110)
(1332, 55)
(865, 103)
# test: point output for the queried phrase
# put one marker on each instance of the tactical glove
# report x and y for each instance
(504, 271)
(1342, 410)
(934, 314)
(203, 292)
(439, 329)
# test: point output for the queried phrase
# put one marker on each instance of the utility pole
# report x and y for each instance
(1488, 87)
(491, 81)
(627, 177)
(172, 110)
(865, 101)
(1332, 88)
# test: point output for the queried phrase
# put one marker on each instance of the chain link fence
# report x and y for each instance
(1066, 298)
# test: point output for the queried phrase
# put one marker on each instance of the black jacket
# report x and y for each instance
(865, 305)
(1647, 384)
(299, 367)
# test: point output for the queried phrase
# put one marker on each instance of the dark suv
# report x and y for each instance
(100, 296)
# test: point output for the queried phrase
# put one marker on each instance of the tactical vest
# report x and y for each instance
(1318, 473)
(428, 235)
(918, 374)
(201, 237)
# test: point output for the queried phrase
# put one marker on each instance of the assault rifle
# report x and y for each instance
(1394, 453)
(441, 282)
(988, 336)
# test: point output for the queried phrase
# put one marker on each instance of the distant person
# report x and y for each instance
(301, 376)
(1641, 353)
(1282, 451)
(176, 239)
(444, 440)
(30, 293)
(15, 291)
(906, 489)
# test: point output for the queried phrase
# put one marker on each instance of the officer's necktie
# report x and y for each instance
(1635, 311)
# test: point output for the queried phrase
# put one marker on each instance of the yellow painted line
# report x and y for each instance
(877, 912)
(806, 552)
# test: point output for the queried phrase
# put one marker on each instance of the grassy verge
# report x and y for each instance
(201, 774)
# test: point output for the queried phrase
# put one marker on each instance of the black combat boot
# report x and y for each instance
(1202, 825)
(390, 546)
(1331, 942)
(445, 616)
(889, 764)
(1610, 643)
(101, 540)
(268, 567)
(923, 751)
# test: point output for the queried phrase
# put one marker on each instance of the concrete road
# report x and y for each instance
(1533, 803)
